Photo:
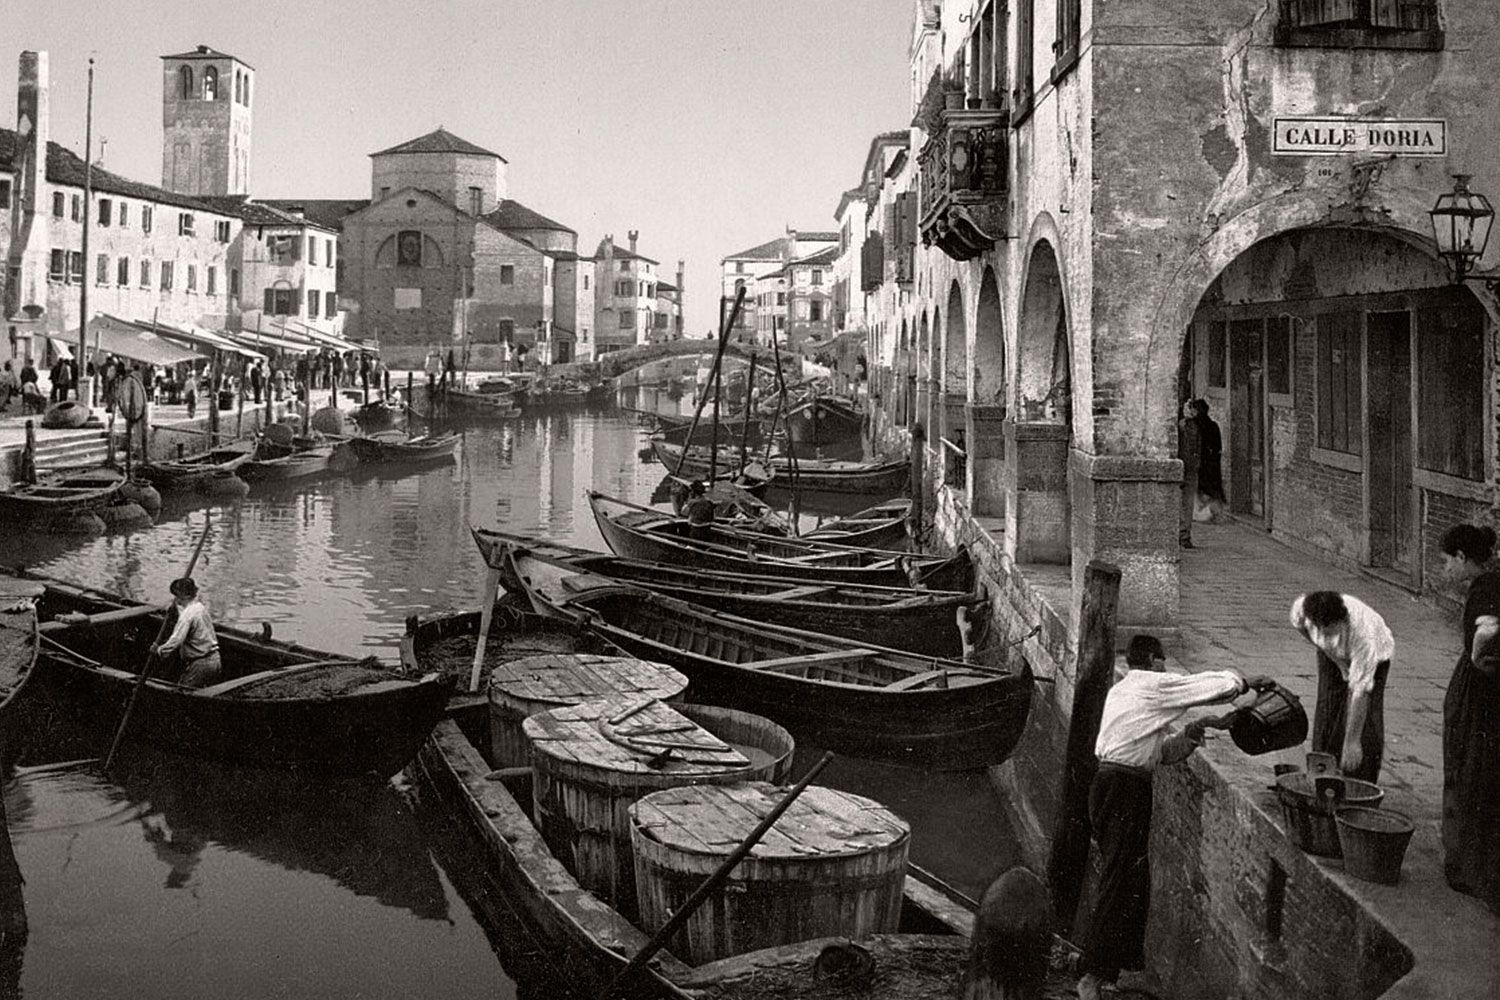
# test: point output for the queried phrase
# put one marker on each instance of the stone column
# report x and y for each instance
(984, 437)
(1037, 520)
(1125, 511)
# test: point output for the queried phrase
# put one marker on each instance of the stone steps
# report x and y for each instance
(72, 452)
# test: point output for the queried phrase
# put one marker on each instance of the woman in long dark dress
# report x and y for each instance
(1210, 453)
(1471, 722)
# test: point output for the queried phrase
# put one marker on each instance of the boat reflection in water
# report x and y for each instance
(208, 881)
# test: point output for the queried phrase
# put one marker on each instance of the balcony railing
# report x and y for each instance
(963, 178)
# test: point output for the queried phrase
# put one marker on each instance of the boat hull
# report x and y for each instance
(301, 465)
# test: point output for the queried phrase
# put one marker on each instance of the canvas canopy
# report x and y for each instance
(126, 340)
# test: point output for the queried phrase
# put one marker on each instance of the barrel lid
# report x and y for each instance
(631, 735)
(570, 678)
(714, 819)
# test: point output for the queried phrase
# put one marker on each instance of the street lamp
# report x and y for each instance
(1461, 222)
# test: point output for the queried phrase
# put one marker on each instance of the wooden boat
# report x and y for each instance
(859, 698)
(392, 447)
(753, 477)
(674, 430)
(282, 707)
(880, 527)
(197, 470)
(915, 621)
(876, 479)
(445, 645)
(589, 942)
(279, 463)
(18, 645)
(66, 491)
(648, 535)
(375, 415)
(479, 401)
(823, 420)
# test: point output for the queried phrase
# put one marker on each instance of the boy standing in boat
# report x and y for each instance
(700, 512)
(1135, 736)
(193, 641)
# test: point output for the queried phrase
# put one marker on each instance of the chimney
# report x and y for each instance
(33, 100)
(31, 235)
(298, 211)
(634, 235)
(203, 49)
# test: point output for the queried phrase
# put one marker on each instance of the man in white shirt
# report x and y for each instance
(192, 641)
(1355, 647)
(1135, 736)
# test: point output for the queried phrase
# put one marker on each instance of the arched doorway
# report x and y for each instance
(986, 408)
(898, 372)
(1351, 383)
(1039, 515)
(954, 389)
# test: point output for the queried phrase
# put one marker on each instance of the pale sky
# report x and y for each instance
(708, 125)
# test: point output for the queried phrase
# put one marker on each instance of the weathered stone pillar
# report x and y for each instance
(1037, 521)
(1125, 511)
(984, 434)
(922, 403)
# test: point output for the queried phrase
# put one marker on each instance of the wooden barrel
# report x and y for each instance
(524, 687)
(834, 865)
(590, 762)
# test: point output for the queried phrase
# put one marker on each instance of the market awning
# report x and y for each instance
(126, 340)
(295, 329)
(259, 340)
(217, 341)
(195, 338)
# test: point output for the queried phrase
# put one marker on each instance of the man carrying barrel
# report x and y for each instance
(1354, 647)
(1135, 736)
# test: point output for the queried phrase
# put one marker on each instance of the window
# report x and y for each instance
(624, 265)
(101, 269)
(739, 267)
(77, 208)
(145, 274)
(213, 280)
(192, 277)
(4, 193)
(122, 271)
(1065, 48)
(247, 90)
(59, 204)
(507, 274)
(1021, 98)
(239, 87)
(58, 269)
(622, 289)
(221, 230)
(817, 277)
(801, 309)
(385, 193)
(166, 275)
(234, 282)
(184, 223)
(476, 200)
(312, 251)
(1339, 396)
(815, 311)
(105, 211)
(781, 298)
(75, 267)
(312, 303)
(1279, 355)
(409, 248)
(328, 257)
(330, 304)
(210, 84)
(583, 334)
(627, 319)
(280, 301)
(1451, 388)
(1218, 342)
(585, 282)
(147, 215)
(1382, 24)
(185, 82)
(124, 214)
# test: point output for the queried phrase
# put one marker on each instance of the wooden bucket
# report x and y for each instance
(591, 762)
(834, 865)
(522, 688)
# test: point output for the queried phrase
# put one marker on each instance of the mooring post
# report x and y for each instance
(1093, 676)
(918, 441)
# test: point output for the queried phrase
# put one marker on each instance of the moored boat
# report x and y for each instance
(914, 621)
(278, 463)
(18, 645)
(281, 707)
(823, 420)
(821, 475)
(196, 471)
(65, 491)
(880, 527)
(855, 697)
(642, 533)
(395, 447)
(751, 477)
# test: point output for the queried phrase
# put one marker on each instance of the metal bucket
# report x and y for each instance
(1374, 842)
(1309, 801)
(1276, 721)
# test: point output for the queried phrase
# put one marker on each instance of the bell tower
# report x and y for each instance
(206, 104)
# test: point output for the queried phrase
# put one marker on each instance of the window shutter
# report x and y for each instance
(909, 218)
(270, 306)
(296, 247)
(1315, 12)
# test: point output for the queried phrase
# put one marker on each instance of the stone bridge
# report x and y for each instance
(618, 362)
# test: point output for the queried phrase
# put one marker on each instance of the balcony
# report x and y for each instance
(963, 179)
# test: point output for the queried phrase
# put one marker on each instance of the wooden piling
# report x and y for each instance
(1093, 676)
(918, 452)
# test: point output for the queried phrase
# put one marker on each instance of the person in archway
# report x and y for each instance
(193, 643)
(1354, 647)
(1190, 451)
(1210, 459)
(1471, 721)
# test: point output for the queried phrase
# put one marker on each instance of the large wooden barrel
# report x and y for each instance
(524, 687)
(834, 865)
(590, 762)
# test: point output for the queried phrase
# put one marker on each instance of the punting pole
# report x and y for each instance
(486, 615)
(749, 409)
(701, 894)
(724, 328)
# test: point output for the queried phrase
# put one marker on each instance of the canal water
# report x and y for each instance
(183, 880)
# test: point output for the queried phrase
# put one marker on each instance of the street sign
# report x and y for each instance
(1337, 136)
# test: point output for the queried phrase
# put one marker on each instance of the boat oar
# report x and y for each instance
(161, 634)
(701, 894)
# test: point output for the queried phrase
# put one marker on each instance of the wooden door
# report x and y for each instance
(1247, 418)
(1388, 435)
